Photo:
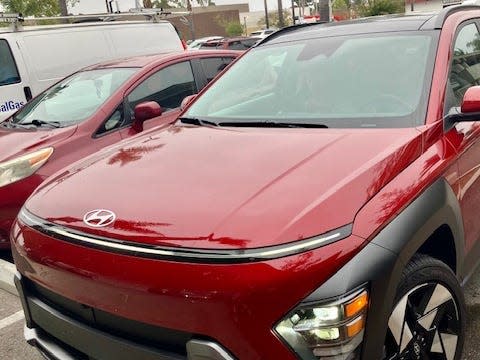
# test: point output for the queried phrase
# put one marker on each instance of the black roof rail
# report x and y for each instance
(286, 29)
(450, 10)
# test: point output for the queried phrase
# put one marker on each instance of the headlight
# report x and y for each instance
(23, 166)
(331, 331)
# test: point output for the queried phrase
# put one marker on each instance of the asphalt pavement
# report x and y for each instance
(13, 346)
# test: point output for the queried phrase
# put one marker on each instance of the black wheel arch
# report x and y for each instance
(381, 262)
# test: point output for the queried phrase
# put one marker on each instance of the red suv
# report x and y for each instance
(91, 109)
(319, 200)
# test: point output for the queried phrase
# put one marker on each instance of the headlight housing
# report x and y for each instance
(327, 331)
(23, 166)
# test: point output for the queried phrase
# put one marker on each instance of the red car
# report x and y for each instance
(240, 43)
(91, 109)
(319, 200)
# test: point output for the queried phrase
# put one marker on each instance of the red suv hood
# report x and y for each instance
(16, 142)
(204, 187)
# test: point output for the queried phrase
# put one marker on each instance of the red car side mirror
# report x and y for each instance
(143, 112)
(471, 100)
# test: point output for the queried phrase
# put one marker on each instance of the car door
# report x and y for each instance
(167, 87)
(464, 72)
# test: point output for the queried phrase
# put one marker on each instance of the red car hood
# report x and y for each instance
(204, 187)
(16, 142)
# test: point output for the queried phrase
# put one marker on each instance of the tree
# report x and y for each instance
(381, 7)
(234, 28)
(32, 7)
(273, 19)
(63, 7)
(205, 2)
(281, 21)
(38, 7)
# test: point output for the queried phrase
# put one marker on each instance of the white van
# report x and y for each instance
(33, 58)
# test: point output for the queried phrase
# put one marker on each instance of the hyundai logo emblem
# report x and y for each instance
(99, 218)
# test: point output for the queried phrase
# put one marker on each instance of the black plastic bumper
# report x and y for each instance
(60, 337)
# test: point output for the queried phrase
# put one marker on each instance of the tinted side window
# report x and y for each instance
(465, 67)
(114, 122)
(227, 60)
(212, 66)
(209, 45)
(168, 87)
(236, 45)
(8, 69)
(249, 43)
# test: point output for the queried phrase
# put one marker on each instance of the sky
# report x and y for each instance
(98, 6)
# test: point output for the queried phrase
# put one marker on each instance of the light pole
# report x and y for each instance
(266, 14)
(293, 12)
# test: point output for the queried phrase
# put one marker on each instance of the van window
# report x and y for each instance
(76, 98)
(168, 87)
(8, 69)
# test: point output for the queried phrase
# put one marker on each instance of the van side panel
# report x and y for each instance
(148, 39)
(50, 56)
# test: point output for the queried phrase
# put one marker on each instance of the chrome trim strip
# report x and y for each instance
(181, 254)
(206, 350)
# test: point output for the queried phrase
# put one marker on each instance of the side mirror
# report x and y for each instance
(143, 112)
(468, 111)
(471, 101)
(187, 101)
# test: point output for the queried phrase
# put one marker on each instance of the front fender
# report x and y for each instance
(381, 262)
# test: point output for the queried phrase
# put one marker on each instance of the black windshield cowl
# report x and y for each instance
(197, 121)
(273, 124)
(40, 123)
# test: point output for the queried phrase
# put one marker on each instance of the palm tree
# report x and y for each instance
(281, 21)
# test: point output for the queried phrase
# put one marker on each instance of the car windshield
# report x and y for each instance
(373, 80)
(75, 98)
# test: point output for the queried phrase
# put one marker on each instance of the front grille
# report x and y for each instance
(163, 339)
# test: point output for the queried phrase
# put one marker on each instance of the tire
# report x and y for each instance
(427, 321)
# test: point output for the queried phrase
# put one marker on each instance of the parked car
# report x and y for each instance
(35, 57)
(238, 43)
(317, 201)
(91, 109)
(262, 34)
(196, 44)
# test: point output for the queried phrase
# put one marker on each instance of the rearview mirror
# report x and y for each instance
(143, 112)
(187, 101)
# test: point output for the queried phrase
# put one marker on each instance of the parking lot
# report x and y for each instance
(13, 346)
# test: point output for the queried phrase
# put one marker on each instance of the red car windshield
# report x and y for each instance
(75, 98)
(373, 80)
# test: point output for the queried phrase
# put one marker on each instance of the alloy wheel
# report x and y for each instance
(424, 324)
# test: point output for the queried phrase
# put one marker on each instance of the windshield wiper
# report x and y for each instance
(39, 123)
(273, 124)
(12, 125)
(197, 121)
